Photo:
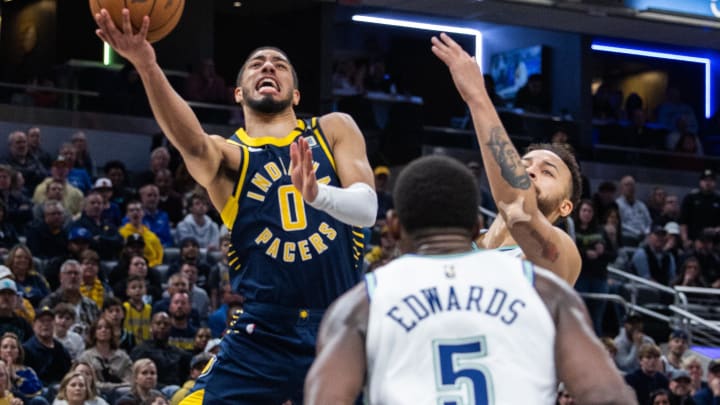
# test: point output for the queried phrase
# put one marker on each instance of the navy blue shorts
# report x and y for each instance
(263, 359)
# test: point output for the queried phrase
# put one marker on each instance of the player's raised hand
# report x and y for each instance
(464, 69)
(302, 171)
(131, 46)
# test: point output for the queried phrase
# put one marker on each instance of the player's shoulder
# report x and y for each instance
(350, 309)
(336, 121)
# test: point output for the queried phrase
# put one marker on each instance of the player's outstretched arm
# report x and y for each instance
(355, 203)
(202, 154)
(582, 362)
(338, 373)
(511, 186)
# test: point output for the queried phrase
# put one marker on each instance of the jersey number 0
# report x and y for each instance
(292, 219)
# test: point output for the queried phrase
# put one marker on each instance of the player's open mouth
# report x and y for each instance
(267, 83)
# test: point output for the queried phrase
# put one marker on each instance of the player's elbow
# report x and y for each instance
(611, 395)
(321, 392)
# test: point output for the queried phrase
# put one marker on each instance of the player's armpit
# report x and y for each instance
(582, 363)
(338, 373)
(348, 148)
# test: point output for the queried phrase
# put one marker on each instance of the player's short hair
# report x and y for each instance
(567, 155)
(436, 192)
(238, 80)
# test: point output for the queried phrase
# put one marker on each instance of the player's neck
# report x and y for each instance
(270, 125)
(438, 243)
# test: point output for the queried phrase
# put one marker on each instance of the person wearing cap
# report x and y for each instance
(197, 364)
(710, 395)
(43, 353)
(69, 292)
(676, 348)
(105, 238)
(24, 308)
(9, 319)
(652, 261)
(77, 176)
(116, 171)
(20, 159)
(634, 214)
(198, 225)
(110, 211)
(700, 209)
(72, 197)
(680, 388)
(648, 377)
(152, 249)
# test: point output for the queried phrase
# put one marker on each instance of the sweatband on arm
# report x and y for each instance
(356, 205)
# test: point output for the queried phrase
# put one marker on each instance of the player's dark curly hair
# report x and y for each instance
(436, 192)
(238, 80)
(567, 155)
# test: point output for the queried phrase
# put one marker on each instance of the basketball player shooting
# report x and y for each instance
(450, 324)
(532, 191)
(293, 193)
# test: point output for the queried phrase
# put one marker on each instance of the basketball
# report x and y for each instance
(164, 14)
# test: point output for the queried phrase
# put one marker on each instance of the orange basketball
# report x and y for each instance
(164, 14)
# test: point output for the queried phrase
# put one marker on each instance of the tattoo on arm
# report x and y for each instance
(549, 250)
(508, 159)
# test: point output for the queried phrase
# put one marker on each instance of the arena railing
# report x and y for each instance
(702, 331)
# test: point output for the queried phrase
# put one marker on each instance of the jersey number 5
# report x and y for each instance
(292, 219)
(456, 368)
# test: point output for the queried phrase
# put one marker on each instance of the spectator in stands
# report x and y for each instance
(6, 397)
(221, 317)
(18, 207)
(198, 225)
(114, 311)
(660, 397)
(199, 299)
(74, 390)
(700, 208)
(182, 333)
(604, 198)
(65, 318)
(137, 311)
(382, 254)
(672, 108)
(190, 253)
(534, 96)
(677, 347)
(638, 134)
(8, 234)
(177, 283)
(682, 140)
(633, 102)
(110, 211)
(173, 363)
(651, 261)
(155, 219)
(111, 364)
(78, 241)
(628, 341)
(170, 200)
(69, 292)
(670, 211)
(384, 197)
(9, 320)
(648, 377)
(152, 247)
(673, 241)
(656, 202)
(219, 274)
(20, 159)
(145, 378)
(29, 281)
(35, 148)
(89, 373)
(53, 192)
(43, 353)
(197, 364)
(704, 249)
(205, 85)
(82, 154)
(159, 160)
(202, 337)
(117, 173)
(72, 197)
(710, 395)
(106, 240)
(634, 215)
(91, 285)
(694, 367)
(77, 176)
(690, 274)
(137, 265)
(25, 382)
(596, 253)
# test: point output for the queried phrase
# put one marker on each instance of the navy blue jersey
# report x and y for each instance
(283, 251)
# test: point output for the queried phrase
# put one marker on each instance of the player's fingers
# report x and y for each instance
(126, 26)
(144, 27)
(100, 33)
(309, 160)
(294, 153)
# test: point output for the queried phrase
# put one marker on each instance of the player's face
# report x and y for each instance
(267, 83)
(552, 180)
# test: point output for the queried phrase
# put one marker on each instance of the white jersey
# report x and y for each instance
(512, 251)
(464, 329)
